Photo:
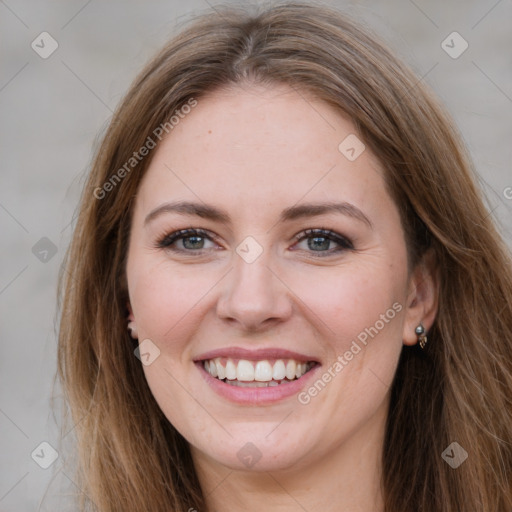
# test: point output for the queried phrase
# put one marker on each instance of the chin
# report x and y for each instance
(256, 452)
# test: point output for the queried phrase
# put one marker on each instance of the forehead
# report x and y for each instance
(269, 144)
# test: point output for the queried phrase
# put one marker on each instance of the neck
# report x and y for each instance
(346, 478)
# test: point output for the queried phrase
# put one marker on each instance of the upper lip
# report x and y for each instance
(254, 355)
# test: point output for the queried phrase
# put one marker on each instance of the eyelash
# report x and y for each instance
(167, 240)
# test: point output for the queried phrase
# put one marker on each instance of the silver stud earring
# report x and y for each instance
(133, 330)
(422, 336)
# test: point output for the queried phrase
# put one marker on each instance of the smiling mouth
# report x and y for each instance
(256, 374)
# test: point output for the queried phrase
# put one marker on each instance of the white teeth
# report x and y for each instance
(221, 371)
(212, 369)
(279, 371)
(230, 370)
(290, 370)
(263, 371)
(244, 371)
(252, 384)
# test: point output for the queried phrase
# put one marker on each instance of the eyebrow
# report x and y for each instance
(206, 211)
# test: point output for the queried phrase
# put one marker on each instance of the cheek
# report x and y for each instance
(348, 299)
(359, 310)
(166, 300)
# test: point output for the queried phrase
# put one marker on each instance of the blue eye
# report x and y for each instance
(193, 240)
(320, 240)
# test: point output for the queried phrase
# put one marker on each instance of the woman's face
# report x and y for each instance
(261, 293)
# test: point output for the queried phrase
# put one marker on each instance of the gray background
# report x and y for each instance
(52, 111)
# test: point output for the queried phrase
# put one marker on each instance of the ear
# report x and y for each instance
(422, 298)
(132, 326)
(131, 318)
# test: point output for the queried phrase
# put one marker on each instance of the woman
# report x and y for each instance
(284, 290)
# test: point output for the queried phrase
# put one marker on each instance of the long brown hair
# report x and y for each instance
(458, 390)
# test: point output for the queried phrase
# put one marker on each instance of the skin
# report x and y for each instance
(253, 151)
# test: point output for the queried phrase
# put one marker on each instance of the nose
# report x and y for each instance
(253, 296)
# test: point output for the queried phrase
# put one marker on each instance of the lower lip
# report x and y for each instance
(256, 396)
